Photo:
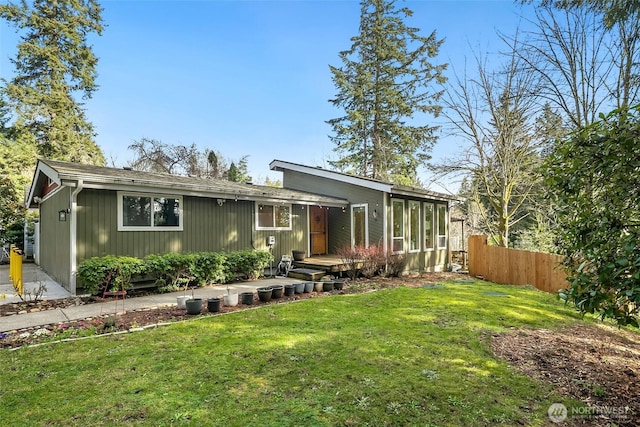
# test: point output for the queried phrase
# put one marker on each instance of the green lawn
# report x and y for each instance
(404, 356)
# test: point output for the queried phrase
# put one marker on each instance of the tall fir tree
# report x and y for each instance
(54, 66)
(385, 86)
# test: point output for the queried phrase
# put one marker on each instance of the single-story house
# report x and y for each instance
(88, 211)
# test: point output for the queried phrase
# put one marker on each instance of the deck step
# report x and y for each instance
(306, 274)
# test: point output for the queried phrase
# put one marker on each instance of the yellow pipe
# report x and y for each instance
(15, 269)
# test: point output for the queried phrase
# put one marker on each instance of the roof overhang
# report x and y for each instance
(141, 182)
(387, 187)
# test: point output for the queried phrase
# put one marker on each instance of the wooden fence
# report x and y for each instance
(515, 267)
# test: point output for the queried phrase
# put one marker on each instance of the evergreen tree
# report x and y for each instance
(384, 88)
(54, 65)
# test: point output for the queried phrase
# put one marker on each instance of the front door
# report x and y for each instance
(318, 230)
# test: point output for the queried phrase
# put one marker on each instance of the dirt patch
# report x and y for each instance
(597, 365)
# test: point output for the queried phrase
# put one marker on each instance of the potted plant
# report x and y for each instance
(308, 287)
(230, 298)
(213, 305)
(247, 298)
(264, 294)
(317, 286)
(182, 299)
(299, 287)
(298, 255)
(289, 290)
(327, 286)
(338, 283)
(194, 305)
(277, 291)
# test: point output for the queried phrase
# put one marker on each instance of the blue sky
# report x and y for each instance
(247, 77)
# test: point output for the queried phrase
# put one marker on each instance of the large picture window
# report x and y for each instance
(397, 211)
(442, 227)
(273, 217)
(414, 226)
(148, 212)
(428, 225)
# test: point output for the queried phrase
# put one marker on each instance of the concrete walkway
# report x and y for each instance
(33, 276)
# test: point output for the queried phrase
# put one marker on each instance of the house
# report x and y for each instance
(88, 211)
(404, 220)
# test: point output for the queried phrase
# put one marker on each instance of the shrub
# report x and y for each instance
(98, 274)
(373, 260)
(351, 258)
(396, 265)
(208, 268)
(247, 263)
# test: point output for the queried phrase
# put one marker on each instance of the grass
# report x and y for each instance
(405, 356)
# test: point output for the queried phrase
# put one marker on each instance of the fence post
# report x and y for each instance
(15, 268)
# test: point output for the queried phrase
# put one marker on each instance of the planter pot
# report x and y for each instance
(213, 305)
(182, 301)
(289, 290)
(277, 291)
(299, 287)
(298, 255)
(194, 306)
(308, 287)
(247, 298)
(231, 299)
(264, 294)
(338, 284)
(327, 286)
(317, 286)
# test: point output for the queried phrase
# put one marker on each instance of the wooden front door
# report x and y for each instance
(318, 230)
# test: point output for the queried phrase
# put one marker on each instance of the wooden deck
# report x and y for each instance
(330, 263)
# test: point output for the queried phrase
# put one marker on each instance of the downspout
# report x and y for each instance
(385, 234)
(73, 244)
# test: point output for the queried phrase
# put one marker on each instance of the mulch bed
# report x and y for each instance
(596, 364)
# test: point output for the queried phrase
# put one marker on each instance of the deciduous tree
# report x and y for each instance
(493, 113)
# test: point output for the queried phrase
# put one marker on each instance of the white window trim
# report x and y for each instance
(121, 227)
(446, 227)
(366, 224)
(404, 228)
(257, 209)
(433, 224)
(418, 249)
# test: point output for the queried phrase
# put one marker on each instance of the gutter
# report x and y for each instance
(73, 230)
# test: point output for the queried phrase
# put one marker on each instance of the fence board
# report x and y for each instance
(515, 267)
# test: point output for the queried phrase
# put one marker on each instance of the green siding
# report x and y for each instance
(54, 237)
(206, 227)
(339, 221)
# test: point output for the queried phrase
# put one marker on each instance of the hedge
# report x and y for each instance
(171, 271)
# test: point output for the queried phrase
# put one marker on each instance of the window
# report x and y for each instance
(414, 226)
(359, 226)
(397, 212)
(273, 217)
(146, 212)
(442, 226)
(428, 225)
